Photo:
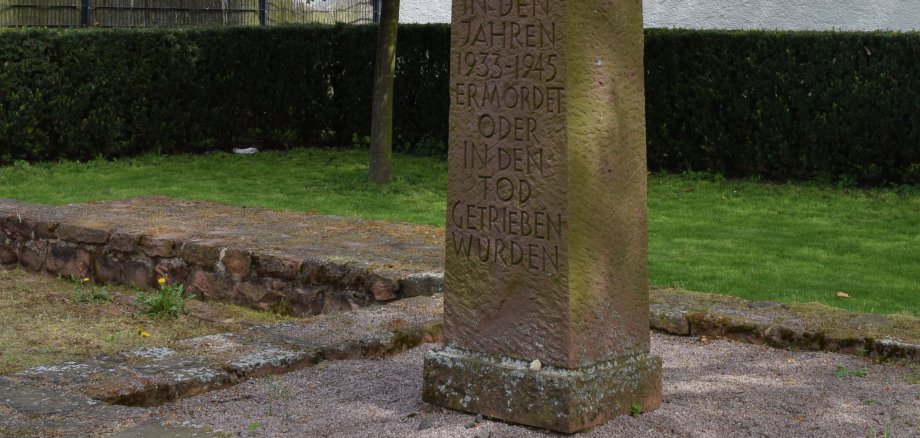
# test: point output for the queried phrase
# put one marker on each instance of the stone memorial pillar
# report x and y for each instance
(546, 316)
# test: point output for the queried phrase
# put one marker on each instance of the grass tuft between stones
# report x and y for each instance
(168, 302)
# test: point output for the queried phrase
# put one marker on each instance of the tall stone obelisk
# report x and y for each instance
(546, 307)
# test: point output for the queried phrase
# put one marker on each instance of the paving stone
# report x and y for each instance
(8, 254)
(892, 349)
(121, 241)
(237, 262)
(212, 343)
(68, 260)
(669, 320)
(160, 245)
(211, 286)
(173, 270)
(277, 266)
(158, 428)
(73, 373)
(13, 226)
(43, 229)
(425, 283)
(383, 288)
(271, 360)
(33, 410)
(84, 231)
(202, 252)
(35, 400)
(108, 269)
(32, 255)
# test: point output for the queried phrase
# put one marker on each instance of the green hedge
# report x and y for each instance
(78, 94)
(785, 105)
(778, 105)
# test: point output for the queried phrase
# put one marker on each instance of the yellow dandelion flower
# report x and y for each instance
(161, 280)
(143, 333)
(86, 279)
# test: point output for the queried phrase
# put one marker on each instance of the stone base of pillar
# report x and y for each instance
(564, 400)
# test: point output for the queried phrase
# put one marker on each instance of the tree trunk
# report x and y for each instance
(381, 168)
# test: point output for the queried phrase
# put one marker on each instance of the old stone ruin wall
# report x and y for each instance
(211, 269)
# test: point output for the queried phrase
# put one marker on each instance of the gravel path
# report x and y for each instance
(715, 389)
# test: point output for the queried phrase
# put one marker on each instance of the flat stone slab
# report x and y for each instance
(792, 326)
(158, 428)
(28, 409)
(154, 376)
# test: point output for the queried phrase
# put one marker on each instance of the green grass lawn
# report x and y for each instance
(797, 243)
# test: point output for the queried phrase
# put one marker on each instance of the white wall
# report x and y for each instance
(739, 14)
(425, 11)
(784, 14)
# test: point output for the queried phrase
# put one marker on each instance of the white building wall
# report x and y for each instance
(739, 14)
(784, 14)
(425, 11)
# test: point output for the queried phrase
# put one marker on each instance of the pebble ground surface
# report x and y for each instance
(711, 389)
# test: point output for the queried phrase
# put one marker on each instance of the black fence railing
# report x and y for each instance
(152, 13)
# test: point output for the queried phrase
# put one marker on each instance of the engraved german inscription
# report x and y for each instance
(507, 81)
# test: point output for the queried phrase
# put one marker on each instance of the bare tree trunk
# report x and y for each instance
(381, 168)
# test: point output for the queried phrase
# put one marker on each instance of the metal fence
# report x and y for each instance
(152, 13)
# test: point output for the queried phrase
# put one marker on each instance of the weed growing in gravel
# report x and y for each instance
(635, 409)
(844, 372)
(168, 302)
(885, 434)
(252, 427)
(278, 391)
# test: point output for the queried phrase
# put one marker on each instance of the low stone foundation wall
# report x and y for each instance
(214, 268)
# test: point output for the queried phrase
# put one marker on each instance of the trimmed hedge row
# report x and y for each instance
(778, 105)
(78, 94)
(785, 105)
